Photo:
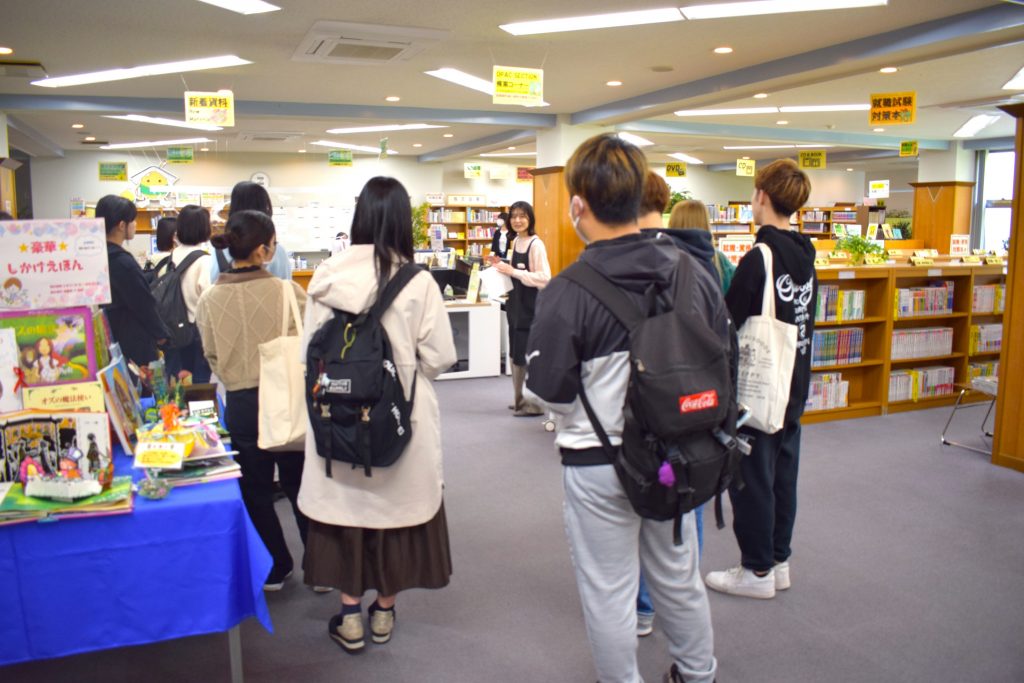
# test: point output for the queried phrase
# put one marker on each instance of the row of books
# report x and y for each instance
(835, 304)
(988, 299)
(480, 233)
(921, 342)
(446, 216)
(989, 368)
(844, 215)
(740, 213)
(935, 299)
(986, 338)
(917, 383)
(828, 390)
(812, 216)
(837, 347)
(483, 216)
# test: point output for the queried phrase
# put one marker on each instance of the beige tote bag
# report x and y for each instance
(282, 417)
(767, 353)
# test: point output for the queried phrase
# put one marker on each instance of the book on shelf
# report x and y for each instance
(836, 305)
(934, 299)
(842, 346)
(924, 382)
(731, 213)
(989, 368)
(828, 391)
(986, 338)
(988, 299)
(922, 342)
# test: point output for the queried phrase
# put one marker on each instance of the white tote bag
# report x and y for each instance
(282, 417)
(767, 353)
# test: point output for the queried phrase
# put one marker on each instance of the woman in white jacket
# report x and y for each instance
(387, 532)
(193, 230)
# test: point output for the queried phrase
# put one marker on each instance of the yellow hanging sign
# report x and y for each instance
(893, 108)
(472, 171)
(908, 148)
(675, 170)
(114, 171)
(339, 157)
(812, 159)
(745, 167)
(213, 108)
(518, 85)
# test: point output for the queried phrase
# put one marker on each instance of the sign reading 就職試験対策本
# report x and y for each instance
(53, 264)
(893, 108)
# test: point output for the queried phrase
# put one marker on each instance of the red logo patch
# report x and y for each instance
(701, 401)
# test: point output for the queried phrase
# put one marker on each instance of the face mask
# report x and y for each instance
(574, 218)
(500, 222)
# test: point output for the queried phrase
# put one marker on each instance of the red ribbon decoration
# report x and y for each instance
(20, 374)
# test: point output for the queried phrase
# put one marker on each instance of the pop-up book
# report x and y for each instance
(55, 346)
(10, 391)
(50, 446)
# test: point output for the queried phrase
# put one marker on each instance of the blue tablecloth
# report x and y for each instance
(186, 565)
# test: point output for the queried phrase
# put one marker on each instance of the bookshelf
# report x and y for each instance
(467, 229)
(731, 218)
(863, 382)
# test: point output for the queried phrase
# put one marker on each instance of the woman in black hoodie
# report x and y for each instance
(765, 509)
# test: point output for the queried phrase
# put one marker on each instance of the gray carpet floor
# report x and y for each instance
(908, 566)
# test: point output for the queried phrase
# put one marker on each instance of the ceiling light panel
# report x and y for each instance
(142, 71)
(383, 129)
(464, 79)
(159, 121)
(685, 158)
(975, 125)
(156, 143)
(508, 154)
(758, 7)
(824, 108)
(635, 140)
(593, 21)
(728, 112)
(1015, 83)
(243, 6)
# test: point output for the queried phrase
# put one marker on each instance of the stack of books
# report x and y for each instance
(923, 342)
(986, 338)
(837, 347)
(836, 305)
(828, 391)
(202, 471)
(16, 507)
(988, 299)
(927, 382)
(936, 299)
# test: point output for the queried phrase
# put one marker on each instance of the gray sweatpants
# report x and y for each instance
(609, 541)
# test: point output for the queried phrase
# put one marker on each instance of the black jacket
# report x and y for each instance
(796, 289)
(575, 342)
(132, 312)
(695, 242)
(496, 242)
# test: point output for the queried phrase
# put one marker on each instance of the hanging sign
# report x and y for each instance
(745, 167)
(524, 174)
(153, 181)
(908, 148)
(179, 155)
(812, 159)
(518, 85)
(675, 170)
(893, 108)
(878, 189)
(472, 171)
(211, 108)
(113, 171)
(339, 157)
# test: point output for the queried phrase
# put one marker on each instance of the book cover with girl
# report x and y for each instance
(55, 346)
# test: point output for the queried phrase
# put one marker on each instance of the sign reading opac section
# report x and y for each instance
(518, 85)
(745, 167)
(113, 171)
(893, 108)
(179, 155)
(472, 171)
(339, 157)
(214, 108)
(812, 159)
(675, 170)
(878, 189)
(908, 148)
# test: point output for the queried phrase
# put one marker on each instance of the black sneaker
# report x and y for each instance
(673, 676)
(275, 581)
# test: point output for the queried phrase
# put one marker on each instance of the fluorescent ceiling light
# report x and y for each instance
(462, 78)
(727, 112)
(815, 146)
(757, 7)
(166, 122)
(975, 125)
(635, 139)
(1015, 83)
(244, 6)
(155, 143)
(685, 157)
(143, 71)
(383, 129)
(354, 148)
(825, 107)
(584, 23)
(759, 147)
(509, 154)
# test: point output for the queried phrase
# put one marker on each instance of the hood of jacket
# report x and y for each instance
(796, 251)
(695, 241)
(346, 281)
(633, 261)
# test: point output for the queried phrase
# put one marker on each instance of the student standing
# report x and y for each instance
(577, 346)
(387, 532)
(134, 323)
(193, 230)
(530, 272)
(502, 236)
(689, 220)
(249, 196)
(764, 510)
(240, 312)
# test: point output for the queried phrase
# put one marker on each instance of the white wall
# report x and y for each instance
(901, 194)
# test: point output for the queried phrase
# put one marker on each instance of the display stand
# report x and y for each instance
(476, 329)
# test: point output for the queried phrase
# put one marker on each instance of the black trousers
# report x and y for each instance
(257, 482)
(189, 358)
(765, 509)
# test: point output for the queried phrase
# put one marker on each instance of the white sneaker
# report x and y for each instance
(644, 624)
(781, 570)
(743, 582)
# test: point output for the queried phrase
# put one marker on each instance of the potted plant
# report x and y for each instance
(857, 247)
(677, 196)
(420, 226)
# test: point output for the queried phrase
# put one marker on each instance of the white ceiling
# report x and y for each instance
(947, 62)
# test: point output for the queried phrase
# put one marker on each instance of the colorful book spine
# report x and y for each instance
(924, 382)
(842, 346)
(923, 342)
(986, 338)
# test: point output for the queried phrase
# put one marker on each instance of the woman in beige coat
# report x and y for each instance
(386, 532)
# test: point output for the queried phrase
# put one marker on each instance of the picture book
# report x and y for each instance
(54, 346)
(10, 390)
(102, 338)
(86, 396)
(122, 402)
(887, 231)
(16, 507)
(71, 445)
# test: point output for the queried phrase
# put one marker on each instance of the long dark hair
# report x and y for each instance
(247, 196)
(244, 233)
(531, 220)
(383, 218)
(115, 210)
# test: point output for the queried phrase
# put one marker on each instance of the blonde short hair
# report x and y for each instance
(689, 214)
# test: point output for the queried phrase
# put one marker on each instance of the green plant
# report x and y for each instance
(857, 247)
(677, 196)
(420, 231)
(900, 218)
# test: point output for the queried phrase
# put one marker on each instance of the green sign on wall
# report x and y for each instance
(113, 170)
(179, 155)
(339, 157)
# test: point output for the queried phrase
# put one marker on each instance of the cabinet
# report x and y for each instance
(467, 229)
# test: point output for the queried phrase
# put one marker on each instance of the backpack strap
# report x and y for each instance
(222, 261)
(161, 263)
(398, 281)
(188, 261)
(605, 291)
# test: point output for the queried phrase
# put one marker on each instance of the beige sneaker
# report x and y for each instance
(382, 623)
(782, 581)
(347, 631)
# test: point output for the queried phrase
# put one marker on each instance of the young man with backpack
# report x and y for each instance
(580, 362)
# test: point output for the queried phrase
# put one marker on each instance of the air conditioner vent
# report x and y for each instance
(268, 136)
(340, 42)
(32, 70)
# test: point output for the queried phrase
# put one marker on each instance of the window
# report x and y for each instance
(998, 193)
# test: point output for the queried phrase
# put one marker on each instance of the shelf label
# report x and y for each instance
(971, 259)
(821, 261)
(908, 148)
(745, 167)
(874, 260)
(434, 198)
(518, 85)
(467, 200)
(922, 261)
(675, 170)
(847, 275)
(114, 171)
(994, 260)
(812, 159)
(159, 455)
(934, 272)
(893, 108)
(926, 253)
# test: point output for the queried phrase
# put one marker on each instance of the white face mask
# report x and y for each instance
(574, 218)
(500, 222)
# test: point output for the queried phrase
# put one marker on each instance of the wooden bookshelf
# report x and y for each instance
(820, 221)
(729, 219)
(466, 228)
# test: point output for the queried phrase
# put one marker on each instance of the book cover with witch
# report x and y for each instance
(55, 346)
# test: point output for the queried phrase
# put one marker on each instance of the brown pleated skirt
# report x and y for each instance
(356, 560)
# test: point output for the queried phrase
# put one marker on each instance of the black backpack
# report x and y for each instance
(151, 271)
(170, 302)
(356, 403)
(679, 444)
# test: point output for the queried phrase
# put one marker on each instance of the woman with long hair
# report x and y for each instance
(249, 196)
(385, 533)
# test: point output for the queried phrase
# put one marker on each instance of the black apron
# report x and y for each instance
(522, 301)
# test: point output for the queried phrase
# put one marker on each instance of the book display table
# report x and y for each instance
(189, 564)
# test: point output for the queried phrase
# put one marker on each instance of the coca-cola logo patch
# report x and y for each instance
(701, 401)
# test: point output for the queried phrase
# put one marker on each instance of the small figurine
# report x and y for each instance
(30, 467)
(169, 413)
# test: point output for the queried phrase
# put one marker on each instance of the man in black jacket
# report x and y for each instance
(577, 346)
(765, 509)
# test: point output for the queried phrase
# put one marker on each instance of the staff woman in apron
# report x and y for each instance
(530, 271)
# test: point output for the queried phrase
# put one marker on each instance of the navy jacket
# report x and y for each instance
(132, 312)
